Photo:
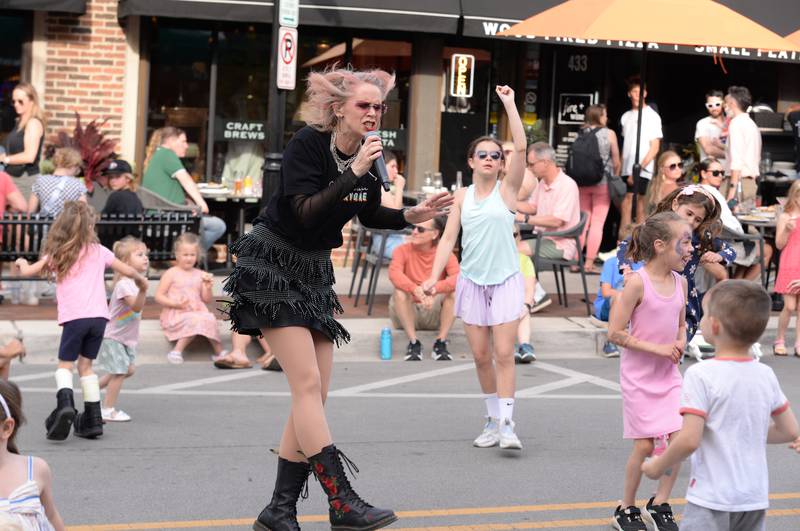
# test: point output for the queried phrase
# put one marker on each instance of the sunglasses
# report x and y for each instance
(714, 105)
(716, 173)
(675, 165)
(495, 155)
(365, 106)
(419, 229)
(516, 233)
(18, 101)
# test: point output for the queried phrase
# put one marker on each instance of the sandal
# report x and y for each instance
(779, 348)
(229, 363)
(797, 349)
(270, 363)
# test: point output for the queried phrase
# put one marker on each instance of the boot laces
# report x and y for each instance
(351, 466)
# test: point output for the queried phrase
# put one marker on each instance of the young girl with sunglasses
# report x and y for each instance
(670, 171)
(489, 292)
(699, 208)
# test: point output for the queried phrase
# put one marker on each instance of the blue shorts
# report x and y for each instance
(81, 337)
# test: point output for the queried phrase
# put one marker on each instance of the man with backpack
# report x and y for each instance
(555, 203)
(593, 160)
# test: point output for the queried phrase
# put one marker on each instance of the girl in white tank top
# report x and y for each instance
(490, 289)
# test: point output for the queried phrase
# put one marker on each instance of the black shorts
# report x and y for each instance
(81, 337)
(641, 185)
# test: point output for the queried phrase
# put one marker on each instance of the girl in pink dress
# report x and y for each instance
(653, 302)
(184, 292)
(787, 239)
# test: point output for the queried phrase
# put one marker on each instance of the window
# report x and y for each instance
(15, 31)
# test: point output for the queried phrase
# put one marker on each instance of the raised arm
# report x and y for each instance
(516, 168)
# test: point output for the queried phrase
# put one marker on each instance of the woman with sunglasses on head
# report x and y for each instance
(665, 181)
(490, 290)
(23, 144)
(282, 285)
(747, 260)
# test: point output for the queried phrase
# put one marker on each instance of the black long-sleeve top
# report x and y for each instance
(314, 201)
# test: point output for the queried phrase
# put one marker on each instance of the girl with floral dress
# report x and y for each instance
(787, 239)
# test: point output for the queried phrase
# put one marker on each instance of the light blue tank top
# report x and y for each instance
(489, 253)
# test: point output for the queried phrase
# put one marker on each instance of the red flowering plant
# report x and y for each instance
(96, 150)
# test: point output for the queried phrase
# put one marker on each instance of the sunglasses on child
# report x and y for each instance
(365, 106)
(419, 229)
(675, 165)
(495, 155)
(716, 173)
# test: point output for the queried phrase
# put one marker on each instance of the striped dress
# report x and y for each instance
(23, 507)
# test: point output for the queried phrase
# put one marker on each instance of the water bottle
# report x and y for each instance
(386, 343)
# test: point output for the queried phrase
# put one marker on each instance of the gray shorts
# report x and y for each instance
(424, 318)
(696, 518)
(114, 357)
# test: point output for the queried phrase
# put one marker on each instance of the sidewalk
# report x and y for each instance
(556, 332)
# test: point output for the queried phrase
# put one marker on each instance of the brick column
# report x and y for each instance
(85, 68)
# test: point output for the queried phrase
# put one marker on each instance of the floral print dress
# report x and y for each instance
(195, 319)
(694, 311)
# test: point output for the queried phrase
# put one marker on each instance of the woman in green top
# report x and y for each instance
(165, 176)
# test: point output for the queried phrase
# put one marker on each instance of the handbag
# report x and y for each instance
(616, 189)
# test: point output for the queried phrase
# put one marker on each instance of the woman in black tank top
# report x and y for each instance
(24, 144)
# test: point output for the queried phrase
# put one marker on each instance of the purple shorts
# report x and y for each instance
(489, 305)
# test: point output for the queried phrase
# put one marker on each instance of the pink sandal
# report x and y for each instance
(779, 348)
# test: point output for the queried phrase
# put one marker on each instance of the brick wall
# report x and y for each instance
(85, 68)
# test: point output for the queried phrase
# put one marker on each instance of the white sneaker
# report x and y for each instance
(756, 352)
(490, 435)
(114, 415)
(694, 351)
(175, 357)
(509, 439)
(217, 357)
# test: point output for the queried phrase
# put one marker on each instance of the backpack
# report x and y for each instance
(584, 163)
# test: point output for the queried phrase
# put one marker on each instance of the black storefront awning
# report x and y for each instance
(61, 6)
(435, 16)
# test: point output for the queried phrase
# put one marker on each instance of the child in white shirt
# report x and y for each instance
(732, 406)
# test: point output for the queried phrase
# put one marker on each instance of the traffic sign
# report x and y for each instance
(289, 14)
(287, 58)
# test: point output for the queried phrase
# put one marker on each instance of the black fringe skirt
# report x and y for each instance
(275, 284)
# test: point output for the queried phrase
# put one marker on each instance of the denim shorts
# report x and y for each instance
(81, 337)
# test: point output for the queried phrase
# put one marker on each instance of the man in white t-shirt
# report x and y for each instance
(649, 144)
(743, 148)
(708, 132)
(732, 406)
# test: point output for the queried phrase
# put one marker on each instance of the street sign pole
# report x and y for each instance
(276, 111)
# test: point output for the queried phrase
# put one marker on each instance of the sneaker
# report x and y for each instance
(610, 350)
(175, 357)
(414, 351)
(694, 351)
(110, 414)
(517, 355)
(440, 352)
(509, 439)
(541, 304)
(526, 353)
(490, 435)
(604, 257)
(660, 517)
(217, 357)
(629, 519)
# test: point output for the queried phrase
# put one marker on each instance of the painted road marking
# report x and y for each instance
(357, 389)
(202, 381)
(433, 513)
(34, 376)
(552, 386)
(590, 378)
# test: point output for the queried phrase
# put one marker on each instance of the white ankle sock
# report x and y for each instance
(63, 379)
(492, 408)
(91, 388)
(506, 407)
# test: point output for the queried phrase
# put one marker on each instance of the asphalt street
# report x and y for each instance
(197, 454)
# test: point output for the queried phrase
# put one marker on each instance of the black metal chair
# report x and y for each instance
(374, 260)
(558, 264)
(360, 249)
(753, 239)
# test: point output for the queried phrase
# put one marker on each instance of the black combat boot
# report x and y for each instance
(60, 420)
(281, 513)
(89, 424)
(348, 512)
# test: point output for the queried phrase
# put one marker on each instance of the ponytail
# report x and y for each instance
(158, 138)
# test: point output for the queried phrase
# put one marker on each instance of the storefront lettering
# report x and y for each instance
(461, 75)
(244, 131)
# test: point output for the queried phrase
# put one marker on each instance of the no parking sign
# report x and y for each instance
(287, 58)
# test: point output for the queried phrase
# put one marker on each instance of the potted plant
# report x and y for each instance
(97, 152)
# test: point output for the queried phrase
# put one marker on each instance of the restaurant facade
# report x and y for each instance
(204, 66)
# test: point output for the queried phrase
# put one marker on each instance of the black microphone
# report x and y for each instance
(380, 164)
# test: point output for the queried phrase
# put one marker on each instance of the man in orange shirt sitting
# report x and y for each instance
(409, 307)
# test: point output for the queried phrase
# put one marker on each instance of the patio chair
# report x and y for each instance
(755, 239)
(558, 265)
(374, 261)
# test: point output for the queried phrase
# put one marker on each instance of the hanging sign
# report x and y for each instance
(287, 58)
(289, 14)
(462, 74)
